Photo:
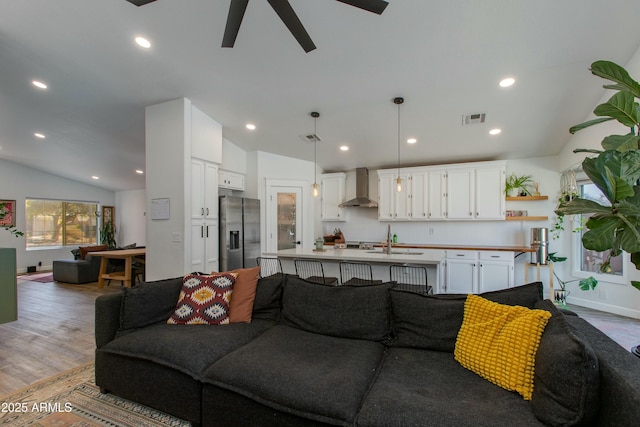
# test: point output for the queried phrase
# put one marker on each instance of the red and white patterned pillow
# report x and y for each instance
(204, 299)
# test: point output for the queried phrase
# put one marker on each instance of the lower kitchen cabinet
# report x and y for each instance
(204, 246)
(472, 272)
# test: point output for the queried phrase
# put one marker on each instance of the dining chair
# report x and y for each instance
(356, 273)
(312, 270)
(269, 266)
(410, 278)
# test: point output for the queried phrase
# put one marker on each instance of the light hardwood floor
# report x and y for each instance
(54, 332)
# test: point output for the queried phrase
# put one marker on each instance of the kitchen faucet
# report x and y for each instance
(388, 248)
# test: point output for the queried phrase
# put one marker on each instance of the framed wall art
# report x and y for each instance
(8, 213)
(108, 214)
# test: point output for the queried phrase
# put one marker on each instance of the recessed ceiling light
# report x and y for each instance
(142, 42)
(250, 126)
(507, 82)
(39, 135)
(140, 172)
(344, 148)
(411, 141)
(495, 131)
(95, 177)
(39, 84)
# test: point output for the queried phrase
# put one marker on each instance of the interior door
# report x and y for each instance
(284, 222)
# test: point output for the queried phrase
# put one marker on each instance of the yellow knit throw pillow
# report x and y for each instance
(499, 342)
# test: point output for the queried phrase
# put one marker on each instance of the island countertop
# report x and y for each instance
(401, 255)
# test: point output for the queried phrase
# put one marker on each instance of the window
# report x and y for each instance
(60, 223)
(588, 262)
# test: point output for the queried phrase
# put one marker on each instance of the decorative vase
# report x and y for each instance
(560, 296)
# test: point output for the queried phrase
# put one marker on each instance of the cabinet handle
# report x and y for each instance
(202, 211)
(207, 231)
(470, 214)
(477, 214)
(207, 211)
(202, 231)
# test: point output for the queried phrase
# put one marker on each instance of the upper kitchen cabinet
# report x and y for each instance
(230, 180)
(206, 137)
(394, 204)
(204, 190)
(489, 189)
(332, 194)
(460, 194)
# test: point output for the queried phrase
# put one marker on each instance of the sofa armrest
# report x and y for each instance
(149, 303)
(107, 317)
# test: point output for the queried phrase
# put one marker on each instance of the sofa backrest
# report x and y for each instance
(360, 312)
(432, 321)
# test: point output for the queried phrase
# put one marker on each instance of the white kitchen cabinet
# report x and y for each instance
(230, 180)
(332, 194)
(460, 194)
(489, 193)
(204, 246)
(461, 272)
(420, 196)
(496, 271)
(437, 194)
(394, 204)
(204, 190)
(478, 271)
(206, 137)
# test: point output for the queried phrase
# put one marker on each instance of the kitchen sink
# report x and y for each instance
(396, 252)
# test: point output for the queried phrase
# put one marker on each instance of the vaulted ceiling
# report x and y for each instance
(444, 58)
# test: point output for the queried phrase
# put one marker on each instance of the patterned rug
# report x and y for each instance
(71, 399)
(40, 277)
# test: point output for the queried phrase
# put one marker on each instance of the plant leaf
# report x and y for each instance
(630, 239)
(621, 142)
(622, 107)
(576, 128)
(582, 206)
(602, 232)
(635, 259)
(588, 284)
(553, 258)
(614, 72)
(635, 284)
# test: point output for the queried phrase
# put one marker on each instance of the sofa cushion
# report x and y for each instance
(244, 294)
(432, 321)
(204, 299)
(315, 376)
(499, 342)
(84, 250)
(267, 303)
(361, 312)
(149, 303)
(188, 348)
(429, 388)
(566, 378)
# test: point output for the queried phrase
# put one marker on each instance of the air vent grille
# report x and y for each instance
(473, 119)
(312, 137)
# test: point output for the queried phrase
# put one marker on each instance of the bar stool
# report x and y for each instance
(269, 267)
(356, 273)
(313, 271)
(411, 278)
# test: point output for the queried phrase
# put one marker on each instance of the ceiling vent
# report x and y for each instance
(473, 119)
(312, 137)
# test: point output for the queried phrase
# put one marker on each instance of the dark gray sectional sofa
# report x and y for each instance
(352, 356)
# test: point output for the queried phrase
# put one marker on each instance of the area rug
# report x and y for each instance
(71, 399)
(40, 277)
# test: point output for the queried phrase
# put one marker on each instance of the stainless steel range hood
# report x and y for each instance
(362, 199)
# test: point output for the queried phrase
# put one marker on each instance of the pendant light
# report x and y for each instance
(315, 116)
(398, 101)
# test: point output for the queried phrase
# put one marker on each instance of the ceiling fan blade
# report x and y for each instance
(140, 2)
(234, 19)
(290, 19)
(375, 6)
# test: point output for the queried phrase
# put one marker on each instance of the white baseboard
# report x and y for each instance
(609, 308)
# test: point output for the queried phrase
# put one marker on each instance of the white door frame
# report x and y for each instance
(305, 207)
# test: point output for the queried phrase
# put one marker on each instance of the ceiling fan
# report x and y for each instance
(286, 14)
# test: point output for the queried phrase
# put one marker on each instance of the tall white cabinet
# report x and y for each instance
(332, 194)
(183, 152)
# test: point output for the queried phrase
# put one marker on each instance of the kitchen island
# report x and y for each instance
(380, 261)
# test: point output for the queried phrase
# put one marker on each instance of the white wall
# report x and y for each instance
(20, 183)
(612, 297)
(234, 158)
(130, 217)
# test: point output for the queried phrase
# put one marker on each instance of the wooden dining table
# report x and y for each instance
(128, 255)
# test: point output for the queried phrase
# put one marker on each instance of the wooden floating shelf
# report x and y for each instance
(526, 218)
(526, 198)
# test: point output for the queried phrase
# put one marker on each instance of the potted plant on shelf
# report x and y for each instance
(560, 296)
(517, 185)
(615, 170)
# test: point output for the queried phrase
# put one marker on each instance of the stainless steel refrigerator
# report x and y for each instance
(239, 232)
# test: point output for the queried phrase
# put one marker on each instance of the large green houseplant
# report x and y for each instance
(615, 170)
